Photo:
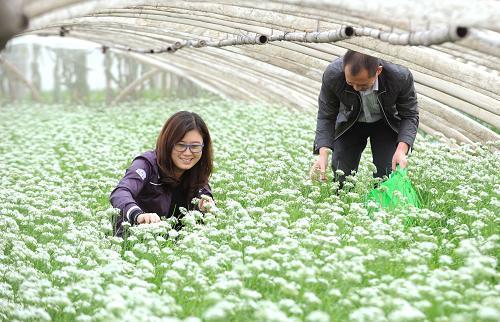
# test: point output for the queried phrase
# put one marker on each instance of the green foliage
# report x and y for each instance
(279, 247)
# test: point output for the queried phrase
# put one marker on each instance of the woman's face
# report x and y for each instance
(187, 152)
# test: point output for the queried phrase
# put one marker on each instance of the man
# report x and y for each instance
(364, 97)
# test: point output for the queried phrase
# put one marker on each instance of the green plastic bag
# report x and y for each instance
(395, 191)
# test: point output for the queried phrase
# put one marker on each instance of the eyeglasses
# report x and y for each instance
(194, 148)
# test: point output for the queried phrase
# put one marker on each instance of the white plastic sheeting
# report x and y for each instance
(458, 82)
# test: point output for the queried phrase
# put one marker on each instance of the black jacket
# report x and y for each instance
(340, 105)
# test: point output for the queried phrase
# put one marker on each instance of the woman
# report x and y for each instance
(159, 182)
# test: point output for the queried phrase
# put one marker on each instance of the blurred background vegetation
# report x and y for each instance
(82, 74)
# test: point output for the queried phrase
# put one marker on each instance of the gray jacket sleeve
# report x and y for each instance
(328, 109)
(407, 107)
(123, 196)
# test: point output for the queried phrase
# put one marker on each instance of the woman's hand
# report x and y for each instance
(206, 204)
(148, 218)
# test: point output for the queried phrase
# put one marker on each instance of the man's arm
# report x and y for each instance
(408, 111)
(407, 107)
(328, 109)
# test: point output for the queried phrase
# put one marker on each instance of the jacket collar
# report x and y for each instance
(382, 80)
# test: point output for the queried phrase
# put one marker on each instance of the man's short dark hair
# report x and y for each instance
(358, 61)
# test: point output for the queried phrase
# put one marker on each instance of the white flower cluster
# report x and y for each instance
(276, 248)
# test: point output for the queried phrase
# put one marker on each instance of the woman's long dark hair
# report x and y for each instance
(173, 131)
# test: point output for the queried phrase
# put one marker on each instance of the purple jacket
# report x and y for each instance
(140, 191)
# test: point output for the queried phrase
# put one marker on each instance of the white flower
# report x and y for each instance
(268, 311)
(445, 260)
(173, 233)
(218, 311)
(406, 313)
(250, 294)
(318, 316)
(368, 314)
(311, 298)
(488, 313)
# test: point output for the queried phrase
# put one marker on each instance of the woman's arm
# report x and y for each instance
(124, 195)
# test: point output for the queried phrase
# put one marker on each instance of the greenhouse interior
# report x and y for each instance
(209, 160)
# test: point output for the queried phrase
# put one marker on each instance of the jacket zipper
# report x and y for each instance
(383, 112)
(357, 116)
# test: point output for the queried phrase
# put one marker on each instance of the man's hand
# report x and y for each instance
(148, 218)
(321, 164)
(399, 156)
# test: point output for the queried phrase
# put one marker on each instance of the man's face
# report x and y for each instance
(361, 81)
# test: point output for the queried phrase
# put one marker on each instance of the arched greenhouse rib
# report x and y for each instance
(455, 60)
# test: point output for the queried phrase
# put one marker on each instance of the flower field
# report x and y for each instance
(278, 248)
